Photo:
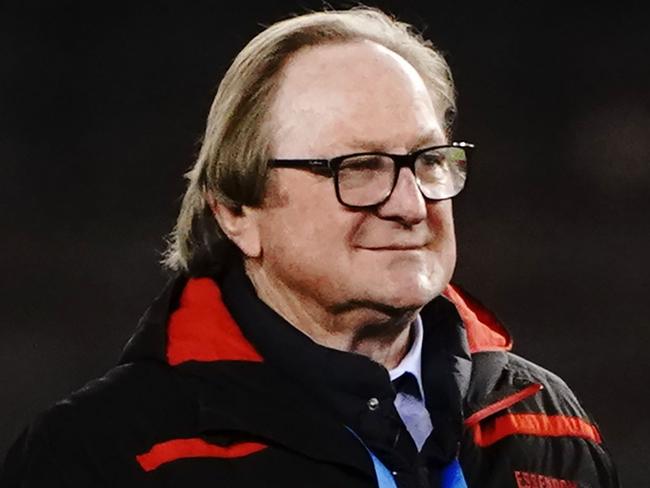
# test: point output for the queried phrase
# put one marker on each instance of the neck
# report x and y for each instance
(381, 333)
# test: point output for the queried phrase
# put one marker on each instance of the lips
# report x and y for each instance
(397, 247)
(394, 240)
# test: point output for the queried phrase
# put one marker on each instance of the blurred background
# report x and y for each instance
(102, 106)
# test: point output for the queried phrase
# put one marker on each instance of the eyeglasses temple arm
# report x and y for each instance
(299, 163)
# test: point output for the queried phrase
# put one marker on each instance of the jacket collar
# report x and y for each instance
(493, 386)
(484, 331)
(185, 299)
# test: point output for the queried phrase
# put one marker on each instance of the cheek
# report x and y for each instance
(441, 222)
(324, 235)
(309, 226)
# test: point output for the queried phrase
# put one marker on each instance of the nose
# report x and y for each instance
(406, 204)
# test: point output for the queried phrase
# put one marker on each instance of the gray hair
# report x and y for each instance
(232, 164)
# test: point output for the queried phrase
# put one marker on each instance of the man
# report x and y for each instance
(310, 336)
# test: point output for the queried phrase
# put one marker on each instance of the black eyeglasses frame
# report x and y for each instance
(330, 167)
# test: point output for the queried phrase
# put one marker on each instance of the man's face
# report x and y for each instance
(341, 99)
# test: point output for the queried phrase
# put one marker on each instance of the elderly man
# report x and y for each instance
(310, 337)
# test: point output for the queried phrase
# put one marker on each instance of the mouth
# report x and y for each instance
(398, 247)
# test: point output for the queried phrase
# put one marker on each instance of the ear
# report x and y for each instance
(239, 225)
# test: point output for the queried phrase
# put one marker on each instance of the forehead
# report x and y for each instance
(351, 96)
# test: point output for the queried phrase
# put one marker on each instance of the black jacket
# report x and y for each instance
(215, 389)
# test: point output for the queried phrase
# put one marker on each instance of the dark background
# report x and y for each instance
(102, 107)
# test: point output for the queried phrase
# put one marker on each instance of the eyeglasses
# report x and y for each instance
(368, 179)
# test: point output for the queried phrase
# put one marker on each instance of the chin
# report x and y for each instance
(404, 280)
(411, 291)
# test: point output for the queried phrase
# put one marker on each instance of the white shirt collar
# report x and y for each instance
(412, 361)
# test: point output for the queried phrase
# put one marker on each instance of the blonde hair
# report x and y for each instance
(232, 164)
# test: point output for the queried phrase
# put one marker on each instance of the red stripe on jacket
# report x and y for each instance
(534, 424)
(168, 451)
(502, 404)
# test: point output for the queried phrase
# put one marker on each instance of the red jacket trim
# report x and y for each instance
(533, 424)
(172, 450)
(202, 329)
(484, 331)
(502, 404)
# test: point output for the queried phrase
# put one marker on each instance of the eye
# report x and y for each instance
(432, 159)
(371, 162)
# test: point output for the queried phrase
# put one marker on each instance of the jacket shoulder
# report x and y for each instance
(555, 398)
(86, 438)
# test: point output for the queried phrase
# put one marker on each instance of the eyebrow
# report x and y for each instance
(423, 140)
(429, 139)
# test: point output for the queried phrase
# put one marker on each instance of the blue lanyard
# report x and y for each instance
(452, 474)
(384, 477)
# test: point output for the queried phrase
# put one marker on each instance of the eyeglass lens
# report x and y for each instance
(368, 179)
